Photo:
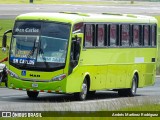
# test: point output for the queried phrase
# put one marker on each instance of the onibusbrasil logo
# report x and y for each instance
(21, 114)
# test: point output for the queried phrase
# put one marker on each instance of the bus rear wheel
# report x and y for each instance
(91, 93)
(6, 82)
(130, 91)
(84, 90)
(32, 94)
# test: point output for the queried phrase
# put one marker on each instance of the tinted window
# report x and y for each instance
(113, 35)
(27, 28)
(56, 30)
(125, 35)
(153, 35)
(78, 28)
(89, 35)
(42, 49)
(136, 35)
(146, 35)
(100, 35)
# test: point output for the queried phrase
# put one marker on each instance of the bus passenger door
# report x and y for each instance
(75, 52)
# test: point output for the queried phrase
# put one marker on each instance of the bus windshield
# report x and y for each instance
(39, 45)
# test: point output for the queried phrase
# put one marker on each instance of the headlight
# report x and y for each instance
(12, 74)
(59, 77)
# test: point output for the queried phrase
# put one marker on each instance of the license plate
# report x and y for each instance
(34, 85)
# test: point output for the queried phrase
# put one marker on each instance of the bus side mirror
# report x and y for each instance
(4, 40)
(77, 38)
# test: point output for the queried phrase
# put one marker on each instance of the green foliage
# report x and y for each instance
(5, 25)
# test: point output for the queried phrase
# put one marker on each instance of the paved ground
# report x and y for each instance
(10, 11)
(18, 100)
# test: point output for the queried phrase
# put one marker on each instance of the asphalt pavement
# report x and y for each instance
(12, 10)
(16, 100)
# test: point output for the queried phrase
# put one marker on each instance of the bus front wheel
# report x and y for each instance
(129, 91)
(84, 90)
(32, 94)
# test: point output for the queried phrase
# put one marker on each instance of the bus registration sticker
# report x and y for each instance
(34, 85)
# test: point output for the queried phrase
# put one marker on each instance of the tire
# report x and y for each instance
(130, 92)
(83, 94)
(0, 80)
(91, 93)
(122, 92)
(32, 94)
(6, 82)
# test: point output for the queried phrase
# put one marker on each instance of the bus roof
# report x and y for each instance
(69, 17)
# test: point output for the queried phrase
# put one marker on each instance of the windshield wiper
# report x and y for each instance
(42, 54)
(33, 49)
(31, 52)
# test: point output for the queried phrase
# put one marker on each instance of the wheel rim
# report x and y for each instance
(134, 86)
(84, 91)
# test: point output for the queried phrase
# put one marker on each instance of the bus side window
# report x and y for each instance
(146, 35)
(141, 40)
(153, 35)
(125, 35)
(89, 35)
(100, 35)
(113, 36)
(136, 35)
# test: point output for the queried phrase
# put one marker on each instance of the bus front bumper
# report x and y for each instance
(53, 86)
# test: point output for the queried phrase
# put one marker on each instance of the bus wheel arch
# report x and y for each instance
(136, 74)
(133, 88)
(88, 81)
(82, 95)
(90, 93)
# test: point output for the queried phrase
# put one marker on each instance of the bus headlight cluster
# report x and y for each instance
(59, 77)
(12, 74)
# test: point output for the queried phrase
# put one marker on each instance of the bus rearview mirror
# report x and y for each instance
(4, 40)
(76, 36)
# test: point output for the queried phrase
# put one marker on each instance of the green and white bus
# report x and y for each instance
(80, 53)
